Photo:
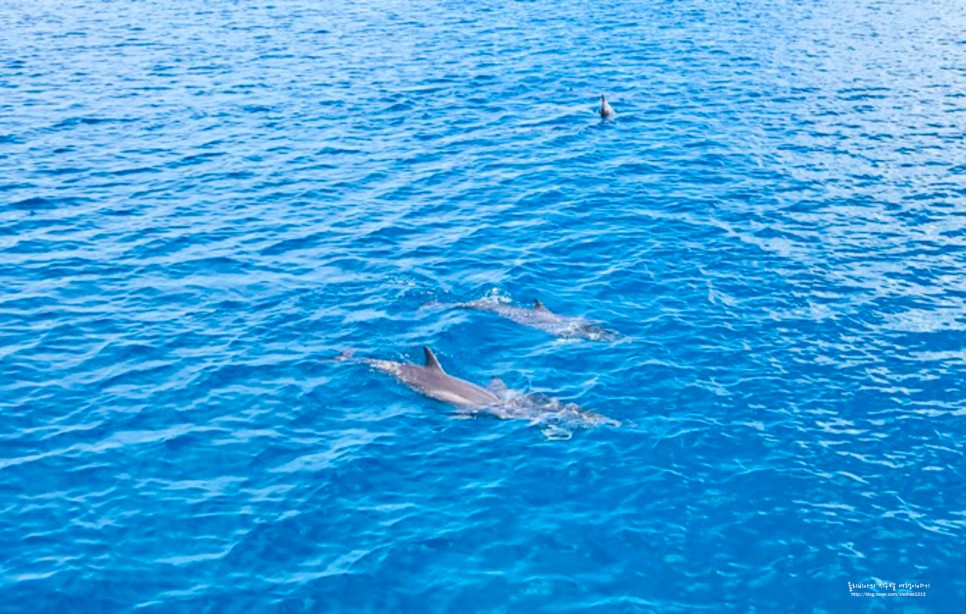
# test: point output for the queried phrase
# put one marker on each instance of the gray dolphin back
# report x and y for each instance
(572, 327)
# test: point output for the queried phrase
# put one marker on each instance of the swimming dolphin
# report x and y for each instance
(430, 380)
(544, 319)
(606, 111)
(558, 420)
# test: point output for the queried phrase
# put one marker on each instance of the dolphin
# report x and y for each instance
(558, 420)
(430, 380)
(606, 111)
(540, 317)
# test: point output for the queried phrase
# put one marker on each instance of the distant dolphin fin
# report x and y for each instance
(539, 306)
(605, 109)
(431, 361)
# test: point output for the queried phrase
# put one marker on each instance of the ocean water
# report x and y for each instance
(202, 204)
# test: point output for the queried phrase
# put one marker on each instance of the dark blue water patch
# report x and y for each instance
(89, 121)
(41, 203)
(128, 171)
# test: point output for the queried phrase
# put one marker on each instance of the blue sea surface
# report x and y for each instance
(203, 203)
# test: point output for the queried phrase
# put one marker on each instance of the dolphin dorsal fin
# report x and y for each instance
(539, 306)
(431, 360)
